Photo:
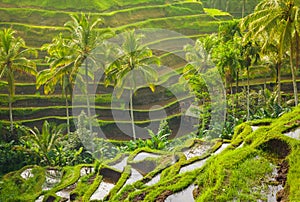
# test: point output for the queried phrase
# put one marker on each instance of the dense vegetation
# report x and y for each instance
(43, 58)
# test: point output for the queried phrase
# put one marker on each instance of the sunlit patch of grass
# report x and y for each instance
(225, 176)
(111, 19)
(14, 188)
(199, 22)
(293, 177)
(250, 171)
(78, 5)
(215, 12)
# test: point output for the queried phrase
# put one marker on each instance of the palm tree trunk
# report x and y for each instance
(131, 114)
(87, 96)
(297, 56)
(248, 94)
(232, 99)
(243, 8)
(227, 6)
(279, 83)
(237, 91)
(297, 50)
(293, 74)
(225, 84)
(10, 114)
(68, 117)
(265, 82)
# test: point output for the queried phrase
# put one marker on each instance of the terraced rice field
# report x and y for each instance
(38, 24)
(198, 170)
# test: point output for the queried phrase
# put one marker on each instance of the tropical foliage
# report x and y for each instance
(61, 70)
(250, 55)
(277, 21)
(14, 58)
(134, 68)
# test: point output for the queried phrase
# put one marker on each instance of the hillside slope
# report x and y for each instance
(261, 163)
(79, 5)
(39, 21)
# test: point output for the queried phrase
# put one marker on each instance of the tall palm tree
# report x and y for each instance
(275, 61)
(199, 58)
(250, 55)
(84, 39)
(199, 63)
(13, 58)
(135, 59)
(199, 55)
(228, 58)
(230, 30)
(280, 20)
(61, 70)
(243, 8)
(230, 33)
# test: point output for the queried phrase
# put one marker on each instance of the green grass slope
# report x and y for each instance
(79, 5)
(246, 170)
(112, 19)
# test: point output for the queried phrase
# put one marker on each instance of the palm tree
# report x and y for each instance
(230, 33)
(84, 39)
(135, 59)
(61, 70)
(243, 8)
(227, 58)
(250, 55)
(199, 63)
(280, 20)
(199, 58)
(229, 30)
(199, 55)
(274, 61)
(13, 58)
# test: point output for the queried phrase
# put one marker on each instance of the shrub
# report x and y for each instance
(12, 157)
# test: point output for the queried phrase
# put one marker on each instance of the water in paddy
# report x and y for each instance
(272, 190)
(193, 166)
(40, 199)
(120, 166)
(153, 180)
(143, 155)
(196, 151)
(254, 128)
(65, 193)
(135, 176)
(185, 195)
(294, 134)
(199, 164)
(224, 146)
(27, 173)
(103, 190)
(86, 170)
(53, 177)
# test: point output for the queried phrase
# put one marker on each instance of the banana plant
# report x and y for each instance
(159, 140)
(45, 142)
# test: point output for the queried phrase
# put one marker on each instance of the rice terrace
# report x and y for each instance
(150, 100)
